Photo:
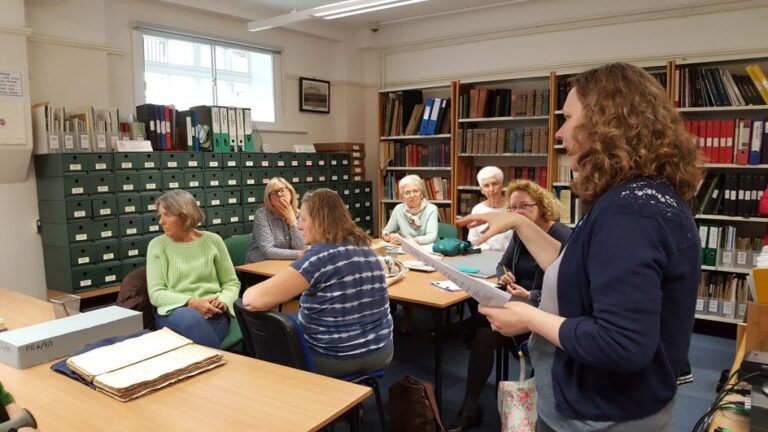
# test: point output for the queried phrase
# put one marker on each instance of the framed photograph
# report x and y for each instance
(314, 95)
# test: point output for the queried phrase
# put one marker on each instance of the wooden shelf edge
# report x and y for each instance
(86, 294)
(718, 318)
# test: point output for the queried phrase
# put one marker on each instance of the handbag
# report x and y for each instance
(453, 247)
(412, 406)
(517, 402)
(394, 270)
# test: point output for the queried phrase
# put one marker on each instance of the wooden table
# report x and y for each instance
(414, 289)
(244, 394)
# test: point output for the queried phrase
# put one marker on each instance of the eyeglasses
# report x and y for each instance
(411, 192)
(282, 191)
(523, 207)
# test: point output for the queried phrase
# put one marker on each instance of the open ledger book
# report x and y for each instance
(133, 367)
(484, 292)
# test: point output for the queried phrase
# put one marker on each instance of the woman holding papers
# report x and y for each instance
(344, 307)
(190, 277)
(613, 328)
(275, 234)
(491, 181)
(415, 217)
(522, 277)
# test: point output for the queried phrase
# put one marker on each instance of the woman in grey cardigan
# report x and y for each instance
(275, 234)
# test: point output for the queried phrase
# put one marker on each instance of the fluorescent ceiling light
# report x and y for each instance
(357, 10)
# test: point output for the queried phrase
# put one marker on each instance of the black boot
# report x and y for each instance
(466, 420)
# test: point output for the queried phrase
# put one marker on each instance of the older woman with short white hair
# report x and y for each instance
(415, 217)
(491, 181)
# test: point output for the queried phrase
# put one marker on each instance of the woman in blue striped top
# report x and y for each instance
(344, 307)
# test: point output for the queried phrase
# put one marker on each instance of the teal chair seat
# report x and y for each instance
(445, 230)
(234, 337)
(237, 246)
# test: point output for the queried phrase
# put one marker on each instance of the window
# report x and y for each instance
(186, 71)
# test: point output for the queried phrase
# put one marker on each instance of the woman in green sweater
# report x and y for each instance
(11, 409)
(190, 276)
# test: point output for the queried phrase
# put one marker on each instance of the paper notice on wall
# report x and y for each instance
(11, 84)
(484, 292)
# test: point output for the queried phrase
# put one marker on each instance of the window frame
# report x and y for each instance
(140, 30)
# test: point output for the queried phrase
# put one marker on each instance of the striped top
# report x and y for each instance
(345, 311)
(272, 238)
(201, 268)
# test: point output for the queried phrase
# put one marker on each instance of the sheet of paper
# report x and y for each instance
(484, 292)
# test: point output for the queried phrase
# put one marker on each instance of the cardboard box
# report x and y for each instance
(760, 275)
(41, 343)
(340, 147)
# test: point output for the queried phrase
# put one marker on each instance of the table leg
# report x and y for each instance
(437, 317)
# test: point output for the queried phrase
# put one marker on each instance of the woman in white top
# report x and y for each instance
(491, 181)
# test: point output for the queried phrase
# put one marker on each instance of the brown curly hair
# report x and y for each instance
(331, 220)
(549, 207)
(629, 129)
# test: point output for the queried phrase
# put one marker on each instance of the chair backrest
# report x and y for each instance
(237, 246)
(133, 295)
(445, 230)
(273, 337)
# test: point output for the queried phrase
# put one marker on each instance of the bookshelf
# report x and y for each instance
(504, 123)
(415, 138)
(724, 109)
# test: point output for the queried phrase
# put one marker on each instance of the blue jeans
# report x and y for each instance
(189, 323)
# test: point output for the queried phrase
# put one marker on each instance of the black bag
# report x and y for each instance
(412, 406)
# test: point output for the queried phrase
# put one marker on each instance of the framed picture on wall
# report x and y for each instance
(314, 95)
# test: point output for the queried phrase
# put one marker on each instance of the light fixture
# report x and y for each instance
(329, 12)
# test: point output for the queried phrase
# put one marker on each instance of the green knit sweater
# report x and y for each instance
(5, 397)
(201, 268)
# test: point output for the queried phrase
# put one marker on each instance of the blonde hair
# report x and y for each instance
(277, 183)
(411, 179)
(629, 129)
(183, 205)
(549, 207)
(330, 218)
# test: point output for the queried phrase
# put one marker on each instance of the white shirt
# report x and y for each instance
(498, 242)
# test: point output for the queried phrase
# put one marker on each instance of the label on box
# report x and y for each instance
(101, 142)
(713, 305)
(151, 186)
(741, 257)
(105, 211)
(84, 260)
(126, 165)
(251, 217)
(153, 228)
(334, 178)
(215, 202)
(192, 163)
(53, 141)
(106, 234)
(101, 166)
(110, 278)
(251, 200)
(232, 201)
(295, 179)
(102, 189)
(77, 190)
(213, 164)
(130, 231)
(281, 163)
(194, 183)
(250, 181)
(133, 252)
(727, 308)
(172, 164)
(231, 163)
(309, 163)
(75, 167)
(265, 181)
(79, 213)
(85, 283)
(214, 182)
(234, 219)
(128, 187)
(173, 184)
(232, 182)
(321, 179)
(85, 143)
(742, 309)
(69, 142)
(152, 207)
(321, 162)
(216, 221)
(130, 209)
(699, 305)
(334, 162)
(265, 163)
(294, 163)
(310, 179)
(149, 164)
(249, 163)
(108, 256)
(80, 237)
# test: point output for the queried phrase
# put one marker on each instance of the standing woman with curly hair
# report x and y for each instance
(614, 324)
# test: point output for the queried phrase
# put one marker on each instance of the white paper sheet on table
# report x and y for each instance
(484, 292)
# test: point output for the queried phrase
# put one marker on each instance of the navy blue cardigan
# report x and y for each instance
(627, 288)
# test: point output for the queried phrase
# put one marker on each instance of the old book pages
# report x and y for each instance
(134, 367)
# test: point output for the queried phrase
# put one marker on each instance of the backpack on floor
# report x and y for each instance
(412, 406)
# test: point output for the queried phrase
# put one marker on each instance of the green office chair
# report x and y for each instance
(237, 246)
(445, 230)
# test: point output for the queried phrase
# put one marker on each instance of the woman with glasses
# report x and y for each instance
(275, 234)
(344, 309)
(491, 181)
(415, 217)
(612, 331)
(522, 277)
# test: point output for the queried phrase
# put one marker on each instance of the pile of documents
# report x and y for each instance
(134, 367)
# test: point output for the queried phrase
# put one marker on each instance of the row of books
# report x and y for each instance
(570, 205)
(398, 154)
(716, 87)
(532, 140)
(488, 102)
(438, 188)
(564, 86)
(721, 246)
(564, 173)
(733, 194)
(732, 141)
(537, 174)
(722, 294)
(407, 113)
(82, 129)
(201, 128)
